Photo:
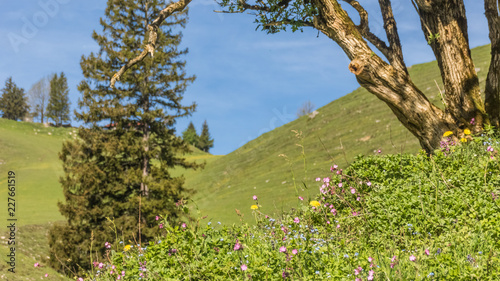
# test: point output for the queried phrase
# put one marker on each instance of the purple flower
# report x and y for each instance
(473, 121)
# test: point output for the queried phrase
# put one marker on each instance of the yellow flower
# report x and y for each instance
(315, 203)
(463, 140)
(467, 131)
(254, 207)
(447, 133)
(126, 248)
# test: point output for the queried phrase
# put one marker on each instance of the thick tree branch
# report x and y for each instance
(492, 89)
(153, 33)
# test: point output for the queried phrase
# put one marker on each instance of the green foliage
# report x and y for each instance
(58, 107)
(190, 136)
(394, 217)
(205, 142)
(122, 171)
(13, 102)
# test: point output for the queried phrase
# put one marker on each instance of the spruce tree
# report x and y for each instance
(190, 136)
(124, 173)
(13, 102)
(205, 142)
(58, 107)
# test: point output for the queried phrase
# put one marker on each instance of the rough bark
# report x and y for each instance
(390, 84)
(492, 90)
(445, 27)
(396, 55)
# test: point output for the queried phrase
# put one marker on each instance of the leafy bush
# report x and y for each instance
(393, 217)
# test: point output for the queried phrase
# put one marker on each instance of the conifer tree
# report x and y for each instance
(190, 135)
(123, 173)
(13, 102)
(58, 107)
(205, 142)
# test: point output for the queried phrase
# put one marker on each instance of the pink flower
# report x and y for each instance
(359, 279)
(413, 258)
(244, 267)
(282, 249)
(393, 259)
(338, 225)
(490, 149)
(472, 121)
(328, 222)
(370, 259)
(368, 183)
(340, 184)
(296, 220)
(294, 251)
(101, 265)
(46, 275)
(37, 264)
(107, 245)
(123, 272)
(255, 197)
(301, 198)
(392, 265)
(333, 211)
(353, 190)
(237, 246)
(118, 277)
(379, 151)
(359, 198)
(161, 225)
(183, 225)
(369, 278)
(335, 167)
(354, 213)
(358, 270)
(80, 279)
(427, 252)
(326, 180)
(157, 217)
(371, 272)
(318, 179)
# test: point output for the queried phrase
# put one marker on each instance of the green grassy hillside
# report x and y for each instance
(357, 123)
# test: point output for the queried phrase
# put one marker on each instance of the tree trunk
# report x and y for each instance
(392, 85)
(445, 27)
(492, 90)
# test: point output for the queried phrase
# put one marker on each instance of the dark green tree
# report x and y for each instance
(58, 107)
(190, 136)
(123, 173)
(13, 102)
(205, 142)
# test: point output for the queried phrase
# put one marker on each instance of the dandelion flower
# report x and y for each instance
(463, 140)
(467, 131)
(315, 203)
(447, 133)
(254, 207)
(126, 248)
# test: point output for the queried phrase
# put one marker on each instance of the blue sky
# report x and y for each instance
(248, 82)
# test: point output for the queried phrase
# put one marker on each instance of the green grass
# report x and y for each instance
(357, 123)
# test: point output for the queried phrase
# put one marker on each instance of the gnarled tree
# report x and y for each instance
(444, 25)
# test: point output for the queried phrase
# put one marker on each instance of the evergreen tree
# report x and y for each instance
(13, 102)
(190, 136)
(205, 142)
(110, 173)
(58, 108)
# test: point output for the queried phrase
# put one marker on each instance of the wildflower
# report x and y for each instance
(413, 258)
(354, 213)
(254, 207)
(358, 279)
(392, 265)
(255, 197)
(393, 259)
(80, 279)
(338, 225)
(463, 140)
(490, 149)
(467, 131)
(368, 183)
(371, 272)
(357, 270)
(369, 278)
(107, 245)
(301, 198)
(46, 275)
(294, 251)
(318, 179)
(118, 277)
(353, 190)
(37, 264)
(183, 225)
(447, 133)
(101, 265)
(123, 272)
(326, 180)
(333, 211)
(244, 267)
(370, 259)
(126, 248)
(379, 151)
(237, 246)
(427, 252)
(340, 184)
(282, 249)
(157, 218)
(296, 220)
(314, 203)
(161, 225)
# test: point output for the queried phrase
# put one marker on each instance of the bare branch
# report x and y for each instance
(364, 29)
(396, 55)
(153, 33)
(289, 21)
